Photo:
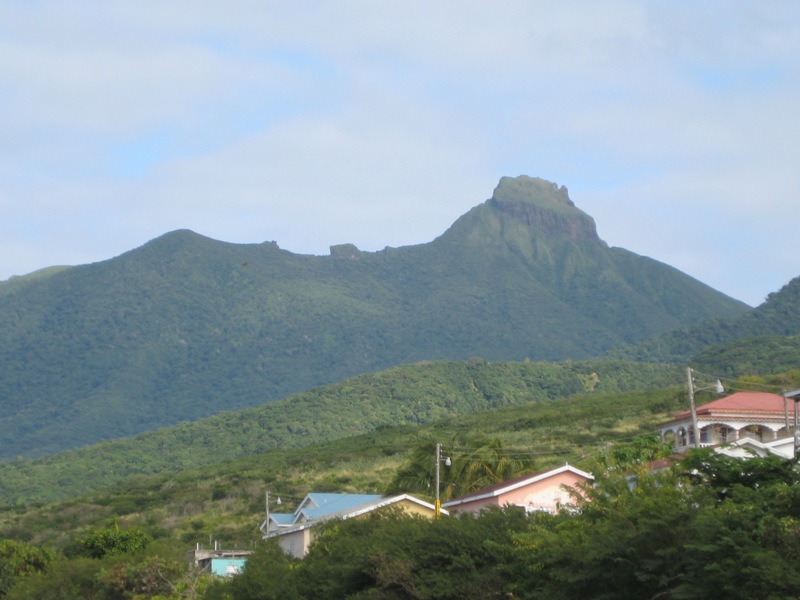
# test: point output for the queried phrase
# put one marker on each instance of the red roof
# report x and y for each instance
(742, 402)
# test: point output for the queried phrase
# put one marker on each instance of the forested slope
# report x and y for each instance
(777, 317)
(409, 395)
(186, 327)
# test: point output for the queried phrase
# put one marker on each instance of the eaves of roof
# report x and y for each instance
(515, 483)
(354, 512)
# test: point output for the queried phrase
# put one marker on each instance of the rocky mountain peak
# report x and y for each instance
(543, 206)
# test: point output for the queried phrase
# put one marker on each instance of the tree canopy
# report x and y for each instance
(682, 533)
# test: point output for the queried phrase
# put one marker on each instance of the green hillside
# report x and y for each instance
(409, 395)
(225, 499)
(778, 316)
(701, 516)
(603, 432)
(752, 356)
(186, 327)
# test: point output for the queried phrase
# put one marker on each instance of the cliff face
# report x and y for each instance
(526, 212)
(543, 207)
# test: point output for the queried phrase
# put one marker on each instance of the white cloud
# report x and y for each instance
(320, 123)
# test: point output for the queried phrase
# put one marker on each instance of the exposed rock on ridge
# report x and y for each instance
(544, 207)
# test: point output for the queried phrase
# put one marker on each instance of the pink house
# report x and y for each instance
(546, 491)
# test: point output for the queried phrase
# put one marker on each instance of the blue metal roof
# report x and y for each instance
(320, 507)
(317, 506)
(282, 518)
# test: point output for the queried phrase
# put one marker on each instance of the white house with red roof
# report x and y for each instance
(546, 491)
(740, 424)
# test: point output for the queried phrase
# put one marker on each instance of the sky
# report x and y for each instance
(674, 124)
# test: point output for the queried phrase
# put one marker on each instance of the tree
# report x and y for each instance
(724, 473)
(392, 555)
(625, 542)
(731, 530)
(111, 541)
(489, 464)
(18, 560)
(389, 555)
(642, 450)
(469, 469)
(65, 579)
(269, 574)
(152, 577)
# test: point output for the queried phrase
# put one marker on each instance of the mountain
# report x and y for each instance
(409, 395)
(777, 318)
(185, 327)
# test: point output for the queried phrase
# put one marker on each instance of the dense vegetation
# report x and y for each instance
(711, 526)
(715, 527)
(751, 356)
(186, 327)
(130, 539)
(225, 500)
(761, 330)
(409, 395)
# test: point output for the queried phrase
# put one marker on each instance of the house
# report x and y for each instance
(740, 424)
(225, 563)
(295, 532)
(546, 491)
(748, 448)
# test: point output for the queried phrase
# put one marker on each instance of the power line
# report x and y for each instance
(736, 384)
(512, 453)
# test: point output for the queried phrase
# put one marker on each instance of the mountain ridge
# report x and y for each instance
(185, 326)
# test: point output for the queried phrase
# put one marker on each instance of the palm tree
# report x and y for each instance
(418, 473)
(470, 468)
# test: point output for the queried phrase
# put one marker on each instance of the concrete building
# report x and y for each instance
(295, 532)
(743, 423)
(545, 491)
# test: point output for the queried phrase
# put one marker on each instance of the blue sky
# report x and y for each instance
(674, 124)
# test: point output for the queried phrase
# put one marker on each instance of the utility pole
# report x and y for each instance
(266, 504)
(796, 430)
(717, 387)
(438, 504)
(692, 407)
(447, 462)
